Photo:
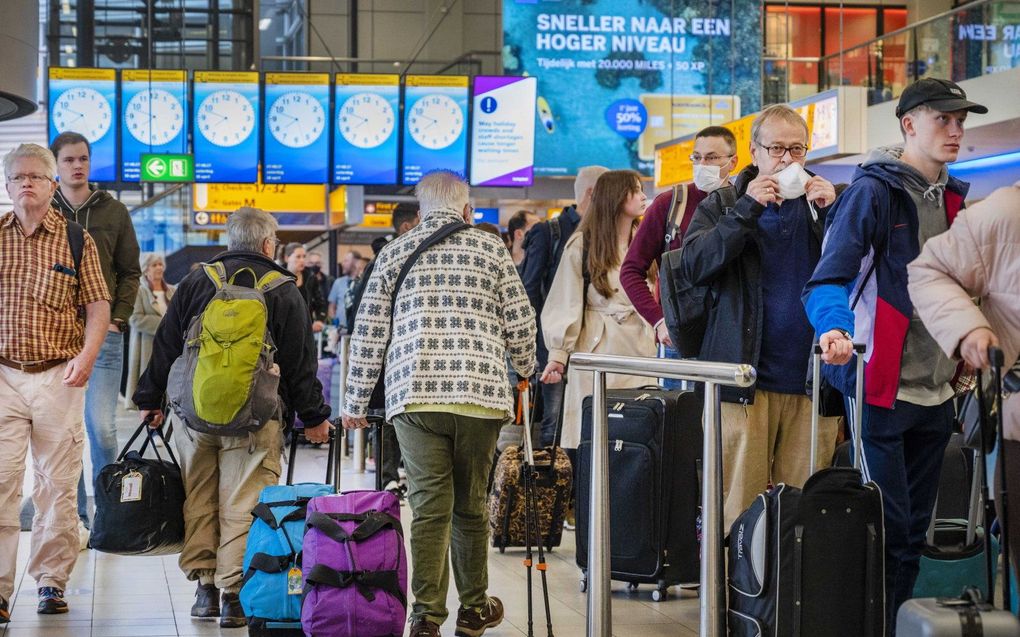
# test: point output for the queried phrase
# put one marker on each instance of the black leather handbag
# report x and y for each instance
(140, 501)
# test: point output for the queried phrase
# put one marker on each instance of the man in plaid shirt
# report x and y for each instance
(46, 356)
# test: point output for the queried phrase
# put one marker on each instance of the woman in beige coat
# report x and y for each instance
(150, 305)
(978, 257)
(606, 322)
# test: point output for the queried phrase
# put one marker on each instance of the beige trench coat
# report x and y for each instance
(978, 257)
(144, 321)
(609, 326)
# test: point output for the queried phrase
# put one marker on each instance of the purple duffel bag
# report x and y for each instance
(354, 566)
(324, 373)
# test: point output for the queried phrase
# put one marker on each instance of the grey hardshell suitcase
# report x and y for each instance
(967, 616)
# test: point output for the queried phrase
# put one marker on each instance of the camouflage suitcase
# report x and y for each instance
(506, 499)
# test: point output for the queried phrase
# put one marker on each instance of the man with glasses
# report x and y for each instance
(109, 224)
(756, 245)
(900, 197)
(49, 269)
(714, 158)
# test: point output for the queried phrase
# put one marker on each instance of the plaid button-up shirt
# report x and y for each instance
(39, 318)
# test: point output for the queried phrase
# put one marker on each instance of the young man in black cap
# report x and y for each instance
(900, 197)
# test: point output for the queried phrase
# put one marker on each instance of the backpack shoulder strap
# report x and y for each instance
(76, 239)
(585, 279)
(271, 280)
(676, 204)
(217, 273)
(431, 240)
(878, 245)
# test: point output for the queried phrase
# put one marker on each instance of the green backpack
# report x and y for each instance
(225, 381)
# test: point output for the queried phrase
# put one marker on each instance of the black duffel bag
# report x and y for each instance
(140, 501)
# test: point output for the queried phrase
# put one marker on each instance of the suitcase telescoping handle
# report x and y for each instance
(858, 403)
(997, 360)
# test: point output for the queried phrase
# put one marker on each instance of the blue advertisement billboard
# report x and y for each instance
(85, 101)
(296, 149)
(617, 77)
(154, 117)
(503, 131)
(226, 120)
(435, 125)
(366, 139)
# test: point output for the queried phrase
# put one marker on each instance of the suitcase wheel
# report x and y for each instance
(632, 586)
(584, 585)
(502, 549)
(659, 595)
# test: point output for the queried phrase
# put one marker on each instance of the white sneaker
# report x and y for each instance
(83, 535)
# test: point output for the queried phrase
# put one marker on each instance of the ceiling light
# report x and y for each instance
(264, 23)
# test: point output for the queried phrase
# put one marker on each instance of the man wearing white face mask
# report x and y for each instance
(666, 220)
(755, 245)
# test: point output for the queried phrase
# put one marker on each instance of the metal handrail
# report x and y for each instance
(713, 590)
(910, 27)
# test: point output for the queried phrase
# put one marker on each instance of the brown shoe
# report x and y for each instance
(424, 628)
(472, 622)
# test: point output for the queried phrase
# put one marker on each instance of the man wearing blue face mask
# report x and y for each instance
(666, 220)
(755, 244)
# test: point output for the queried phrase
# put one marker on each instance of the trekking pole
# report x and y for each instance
(522, 408)
(531, 505)
(997, 359)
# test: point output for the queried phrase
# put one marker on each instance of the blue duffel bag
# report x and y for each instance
(271, 592)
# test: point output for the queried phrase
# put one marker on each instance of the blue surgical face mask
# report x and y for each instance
(708, 178)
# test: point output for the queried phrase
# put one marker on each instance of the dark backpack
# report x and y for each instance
(685, 307)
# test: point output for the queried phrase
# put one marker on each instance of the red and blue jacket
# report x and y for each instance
(871, 236)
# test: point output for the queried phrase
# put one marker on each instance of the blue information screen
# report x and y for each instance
(296, 149)
(85, 101)
(435, 125)
(366, 133)
(226, 120)
(154, 116)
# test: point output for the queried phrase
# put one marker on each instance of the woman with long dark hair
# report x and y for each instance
(597, 317)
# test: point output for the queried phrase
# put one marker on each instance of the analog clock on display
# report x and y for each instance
(83, 110)
(154, 116)
(366, 120)
(296, 119)
(226, 118)
(435, 121)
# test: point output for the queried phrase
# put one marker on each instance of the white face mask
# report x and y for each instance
(707, 178)
(792, 181)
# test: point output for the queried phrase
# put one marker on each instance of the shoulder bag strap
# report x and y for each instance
(429, 241)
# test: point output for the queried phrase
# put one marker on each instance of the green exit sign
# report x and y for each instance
(168, 167)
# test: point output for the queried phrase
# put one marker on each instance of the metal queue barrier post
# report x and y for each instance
(713, 585)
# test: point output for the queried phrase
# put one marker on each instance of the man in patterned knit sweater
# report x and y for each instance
(459, 312)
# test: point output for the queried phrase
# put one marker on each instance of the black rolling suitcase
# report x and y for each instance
(655, 440)
(810, 562)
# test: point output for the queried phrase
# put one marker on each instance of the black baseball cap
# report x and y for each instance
(942, 95)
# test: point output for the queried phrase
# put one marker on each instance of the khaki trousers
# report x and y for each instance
(39, 409)
(222, 482)
(769, 442)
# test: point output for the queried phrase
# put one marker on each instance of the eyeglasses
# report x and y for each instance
(35, 179)
(778, 150)
(710, 158)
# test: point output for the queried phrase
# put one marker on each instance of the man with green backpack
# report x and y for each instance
(232, 355)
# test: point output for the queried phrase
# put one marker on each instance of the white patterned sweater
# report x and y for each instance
(461, 309)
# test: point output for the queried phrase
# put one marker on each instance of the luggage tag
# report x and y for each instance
(131, 487)
(294, 581)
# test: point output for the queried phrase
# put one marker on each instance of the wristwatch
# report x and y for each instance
(121, 325)
(845, 334)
